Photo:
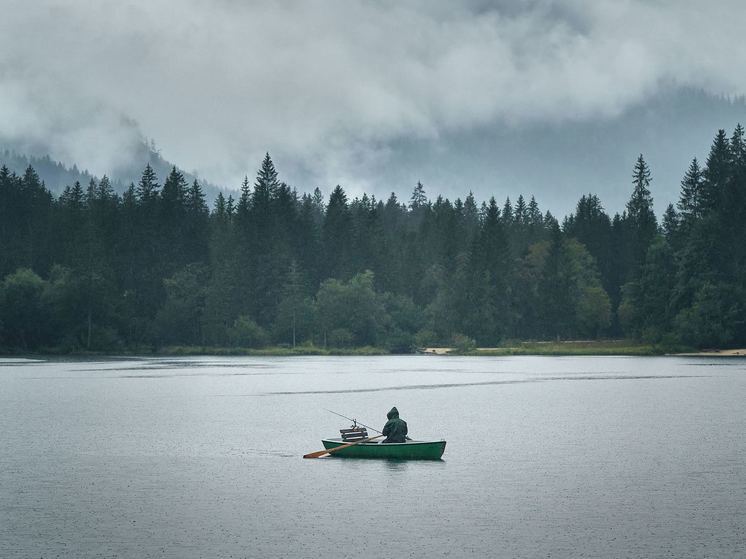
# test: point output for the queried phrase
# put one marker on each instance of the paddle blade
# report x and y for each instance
(316, 454)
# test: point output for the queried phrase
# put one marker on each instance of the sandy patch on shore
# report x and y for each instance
(717, 353)
(436, 350)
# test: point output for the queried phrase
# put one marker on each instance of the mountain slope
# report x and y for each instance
(57, 175)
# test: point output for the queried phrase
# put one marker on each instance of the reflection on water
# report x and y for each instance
(202, 457)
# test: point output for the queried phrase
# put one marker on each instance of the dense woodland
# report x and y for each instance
(155, 267)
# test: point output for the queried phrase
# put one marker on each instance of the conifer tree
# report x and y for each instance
(418, 198)
(690, 199)
(337, 233)
(521, 211)
(471, 218)
(220, 206)
(507, 215)
(535, 219)
(265, 187)
(716, 173)
(148, 187)
(105, 190)
(738, 149)
(244, 203)
(641, 219)
(670, 225)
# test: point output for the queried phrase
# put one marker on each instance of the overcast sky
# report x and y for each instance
(328, 87)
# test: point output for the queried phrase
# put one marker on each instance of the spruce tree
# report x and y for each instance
(337, 233)
(535, 219)
(690, 199)
(738, 149)
(418, 198)
(716, 173)
(521, 211)
(641, 219)
(507, 215)
(148, 187)
(670, 225)
(244, 203)
(471, 218)
(265, 187)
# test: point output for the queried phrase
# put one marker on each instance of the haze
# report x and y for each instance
(370, 95)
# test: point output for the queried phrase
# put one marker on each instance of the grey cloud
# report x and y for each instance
(328, 86)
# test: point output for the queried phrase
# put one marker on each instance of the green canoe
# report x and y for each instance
(410, 450)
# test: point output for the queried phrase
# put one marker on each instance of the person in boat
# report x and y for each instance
(395, 429)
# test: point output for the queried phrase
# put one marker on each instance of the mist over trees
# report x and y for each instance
(154, 266)
(57, 175)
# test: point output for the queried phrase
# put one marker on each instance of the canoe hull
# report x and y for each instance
(411, 450)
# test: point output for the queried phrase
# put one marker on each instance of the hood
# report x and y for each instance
(393, 414)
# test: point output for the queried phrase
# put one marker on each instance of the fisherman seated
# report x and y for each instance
(395, 429)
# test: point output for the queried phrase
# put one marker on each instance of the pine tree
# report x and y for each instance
(490, 273)
(265, 187)
(555, 290)
(195, 200)
(220, 206)
(471, 219)
(690, 199)
(535, 219)
(507, 215)
(521, 211)
(318, 205)
(148, 187)
(418, 198)
(591, 225)
(196, 227)
(641, 219)
(670, 225)
(244, 203)
(174, 189)
(105, 190)
(716, 173)
(738, 149)
(337, 233)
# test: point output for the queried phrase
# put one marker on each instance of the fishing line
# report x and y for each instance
(353, 420)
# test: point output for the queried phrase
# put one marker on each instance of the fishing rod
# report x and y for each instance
(353, 420)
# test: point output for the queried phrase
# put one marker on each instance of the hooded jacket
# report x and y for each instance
(395, 428)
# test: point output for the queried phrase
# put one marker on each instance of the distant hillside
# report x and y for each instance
(57, 175)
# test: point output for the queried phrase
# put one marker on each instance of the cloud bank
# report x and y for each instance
(329, 86)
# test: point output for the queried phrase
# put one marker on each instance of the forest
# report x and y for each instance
(154, 267)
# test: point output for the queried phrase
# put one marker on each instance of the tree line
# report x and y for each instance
(93, 269)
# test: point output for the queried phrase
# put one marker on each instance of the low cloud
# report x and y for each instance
(327, 87)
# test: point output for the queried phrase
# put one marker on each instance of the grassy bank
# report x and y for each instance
(585, 347)
(176, 351)
(275, 351)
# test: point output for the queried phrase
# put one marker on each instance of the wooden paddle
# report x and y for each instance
(319, 453)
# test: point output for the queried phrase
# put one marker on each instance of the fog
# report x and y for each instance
(332, 89)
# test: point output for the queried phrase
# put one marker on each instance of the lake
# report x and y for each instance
(201, 457)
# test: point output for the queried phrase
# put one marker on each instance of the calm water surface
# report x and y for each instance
(546, 457)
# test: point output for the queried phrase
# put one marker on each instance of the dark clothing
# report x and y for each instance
(395, 428)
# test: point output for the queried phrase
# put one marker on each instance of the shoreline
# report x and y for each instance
(715, 353)
(610, 348)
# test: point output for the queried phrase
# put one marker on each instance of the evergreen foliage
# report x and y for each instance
(95, 270)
